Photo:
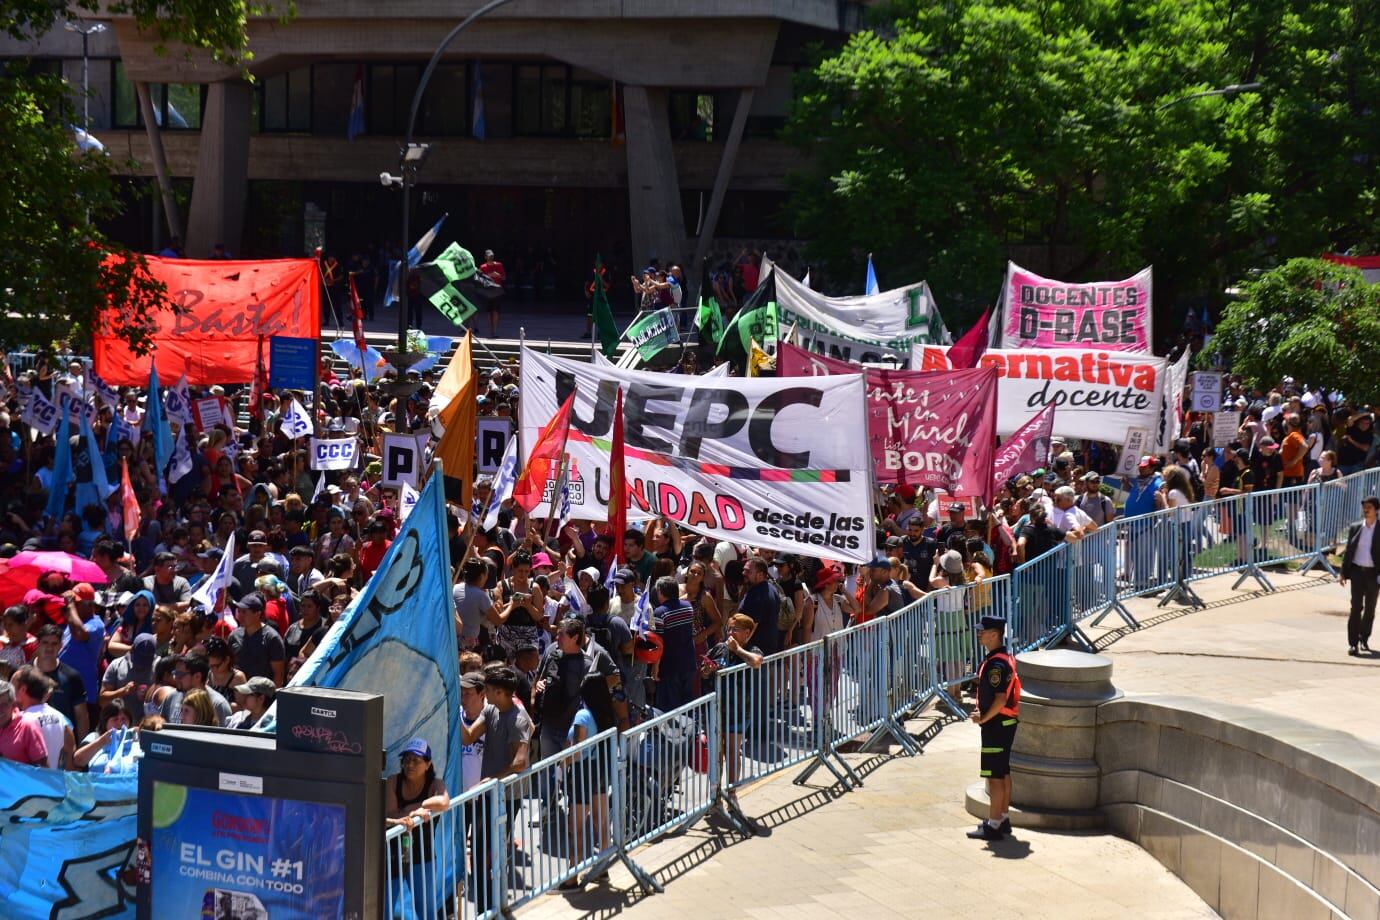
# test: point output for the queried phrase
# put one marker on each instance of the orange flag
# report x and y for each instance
(618, 479)
(545, 458)
(129, 503)
(460, 416)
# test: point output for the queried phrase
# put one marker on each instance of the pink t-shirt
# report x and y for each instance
(21, 740)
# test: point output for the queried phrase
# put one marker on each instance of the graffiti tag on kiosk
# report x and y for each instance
(333, 740)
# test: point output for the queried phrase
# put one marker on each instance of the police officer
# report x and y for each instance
(997, 711)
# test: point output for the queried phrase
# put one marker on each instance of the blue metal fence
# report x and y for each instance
(575, 813)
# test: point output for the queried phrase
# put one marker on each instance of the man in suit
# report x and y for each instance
(1360, 564)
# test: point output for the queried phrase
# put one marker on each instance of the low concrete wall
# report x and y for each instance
(1262, 816)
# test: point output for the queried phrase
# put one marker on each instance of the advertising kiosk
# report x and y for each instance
(240, 825)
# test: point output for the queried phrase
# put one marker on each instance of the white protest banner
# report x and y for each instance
(1132, 449)
(402, 461)
(210, 412)
(718, 370)
(334, 453)
(1206, 390)
(491, 436)
(1043, 313)
(1099, 394)
(39, 414)
(875, 329)
(1225, 425)
(745, 460)
(1172, 405)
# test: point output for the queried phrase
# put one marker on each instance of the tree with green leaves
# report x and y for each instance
(57, 270)
(1081, 140)
(1312, 320)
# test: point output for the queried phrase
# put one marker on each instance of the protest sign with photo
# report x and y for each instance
(740, 460)
(1044, 313)
(925, 429)
(1099, 394)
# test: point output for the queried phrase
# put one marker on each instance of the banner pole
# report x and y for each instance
(563, 471)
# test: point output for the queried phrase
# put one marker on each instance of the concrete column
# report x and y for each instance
(695, 271)
(222, 171)
(658, 224)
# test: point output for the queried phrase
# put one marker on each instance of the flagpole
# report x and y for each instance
(555, 492)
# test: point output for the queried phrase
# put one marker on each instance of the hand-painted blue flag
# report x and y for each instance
(62, 468)
(92, 486)
(872, 286)
(157, 423)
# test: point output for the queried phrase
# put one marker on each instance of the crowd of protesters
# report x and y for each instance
(562, 634)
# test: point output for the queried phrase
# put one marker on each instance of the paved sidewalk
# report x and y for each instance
(894, 848)
(1283, 652)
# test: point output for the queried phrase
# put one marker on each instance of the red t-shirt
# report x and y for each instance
(22, 741)
(495, 271)
(751, 273)
(371, 554)
(275, 612)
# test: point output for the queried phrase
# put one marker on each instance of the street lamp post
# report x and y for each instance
(1229, 90)
(86, 31)
(412, 155)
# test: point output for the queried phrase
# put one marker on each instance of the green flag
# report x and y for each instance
(710, 321)
(756, 319)
(653, 332)
(443, 282)
(604, 326)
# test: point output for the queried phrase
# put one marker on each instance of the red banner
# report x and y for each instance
(926, 429)
(1025, 450)
(226, 306)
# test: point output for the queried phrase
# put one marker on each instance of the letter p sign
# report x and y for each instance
(401, 463)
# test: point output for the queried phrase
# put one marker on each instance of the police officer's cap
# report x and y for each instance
(997, 623)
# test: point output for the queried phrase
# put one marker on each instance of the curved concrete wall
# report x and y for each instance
(1262, 816)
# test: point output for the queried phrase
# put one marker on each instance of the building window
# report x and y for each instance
(591, 103)
(176, 107)
(692, 116)
(445, 105)
(285, 102)
(389, 92)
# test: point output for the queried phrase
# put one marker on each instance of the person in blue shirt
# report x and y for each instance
(1144, 497)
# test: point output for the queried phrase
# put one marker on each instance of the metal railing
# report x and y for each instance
(573, 814)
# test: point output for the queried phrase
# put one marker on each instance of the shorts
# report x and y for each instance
(997, 737)
(587, 777)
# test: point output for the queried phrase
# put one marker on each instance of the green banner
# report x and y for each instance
(653, 332)
(456, 263)
(710, 321)
(453, 305)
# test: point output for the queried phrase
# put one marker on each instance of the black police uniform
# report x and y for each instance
(996, 675)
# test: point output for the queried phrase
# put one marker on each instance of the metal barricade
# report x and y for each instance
(427, 871)
(1040, 604)
(559, 819)
(1282, 525)
(772, 717)
(670, 770)
(1093, 574)
(912, 682)
(857, 668)
(1145, 554)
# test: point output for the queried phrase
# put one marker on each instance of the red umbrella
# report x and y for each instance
(20, 572)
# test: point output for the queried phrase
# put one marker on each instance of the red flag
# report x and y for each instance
(259, 386)
(545, 458)
(968, 349)
(129, 503)
(618, 479)
(1025, 450)
(357, 319)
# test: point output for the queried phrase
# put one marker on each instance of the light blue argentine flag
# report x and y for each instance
(503, 483)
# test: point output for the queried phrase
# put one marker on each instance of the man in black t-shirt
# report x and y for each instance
(1267, 466)
(1355, 445)
(69, 690)
(918, 550)
(559, 678)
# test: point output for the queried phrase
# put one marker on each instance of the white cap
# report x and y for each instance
(592, 572)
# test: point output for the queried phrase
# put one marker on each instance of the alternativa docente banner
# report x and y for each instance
(781, 464)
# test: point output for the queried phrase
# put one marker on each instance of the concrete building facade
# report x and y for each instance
(558, 129)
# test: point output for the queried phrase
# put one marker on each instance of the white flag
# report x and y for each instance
(178, 401)
(181, 463)
(320, 487)
(407, 501)
(206, 592)
(296, 422)
(503, 483)
(39, 414)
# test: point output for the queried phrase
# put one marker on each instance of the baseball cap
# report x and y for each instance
(419, 748)
(624, 576)
(880, 562)
(258, 536)
(143, 650)
(260, 685)
(956, 506)
(84, 592)
(214, 552)
(1146, 460)
(473, 680)
(990, 623)
(1092, 476)
(251, 602)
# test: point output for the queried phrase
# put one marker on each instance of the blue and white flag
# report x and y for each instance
(157, 423)
(642, 614)
(414, 258)
(407, 500)
(181, 463)
(121, 430)
(355, 126)
(92, 486)
(211, 586)
(608, 579)
(62, 470)
(178, 402)
(296, 423)
(400, 632)
(64, 842)
(563, 497)
(39, 414)
(334, 453)
(504, 480)
(104, 391)
(872, 286)
(575, 598)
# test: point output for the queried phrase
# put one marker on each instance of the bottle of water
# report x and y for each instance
(405, 846)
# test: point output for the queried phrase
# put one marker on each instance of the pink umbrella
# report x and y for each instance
(30, 564)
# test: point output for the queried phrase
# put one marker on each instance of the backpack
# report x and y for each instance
(786, 618)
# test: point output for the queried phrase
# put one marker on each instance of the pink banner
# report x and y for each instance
(926, 429)
(1025, 450)
(1044, 313)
